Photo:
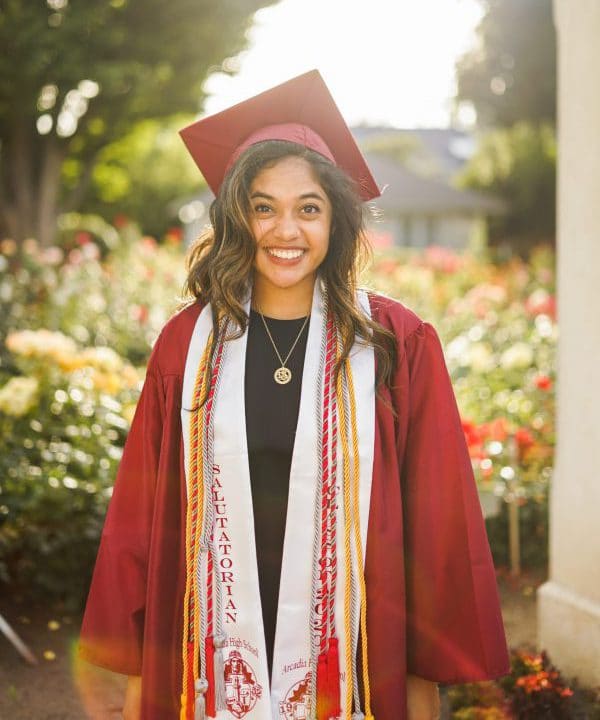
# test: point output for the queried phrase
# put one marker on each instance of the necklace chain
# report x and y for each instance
(282, 374)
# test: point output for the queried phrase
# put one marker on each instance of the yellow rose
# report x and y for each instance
(18, 396)
(103, 358)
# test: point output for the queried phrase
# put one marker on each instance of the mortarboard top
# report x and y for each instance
(301, 110)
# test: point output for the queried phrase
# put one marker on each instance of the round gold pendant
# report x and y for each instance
(282, 375)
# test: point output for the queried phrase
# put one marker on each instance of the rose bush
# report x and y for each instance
(63, 424)
(77, 324)
(497, 322)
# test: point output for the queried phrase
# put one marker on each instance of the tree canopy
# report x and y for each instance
(75, 76)
(518, 164)
(510, 75)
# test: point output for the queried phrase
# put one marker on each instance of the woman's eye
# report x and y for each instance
(311, 209)
(261, 208)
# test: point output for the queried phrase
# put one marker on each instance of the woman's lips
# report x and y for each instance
(278, 260)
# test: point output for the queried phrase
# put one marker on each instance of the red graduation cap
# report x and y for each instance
(300, 110)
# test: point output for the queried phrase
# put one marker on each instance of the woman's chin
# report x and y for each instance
(286, 279)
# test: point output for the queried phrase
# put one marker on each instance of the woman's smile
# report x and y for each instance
(286, 256)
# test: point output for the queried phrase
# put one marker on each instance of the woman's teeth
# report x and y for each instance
(286, 254)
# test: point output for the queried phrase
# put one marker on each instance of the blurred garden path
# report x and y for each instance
(60, 688)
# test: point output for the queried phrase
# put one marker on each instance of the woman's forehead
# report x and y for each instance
(288, 175)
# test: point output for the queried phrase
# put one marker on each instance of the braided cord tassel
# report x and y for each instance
(204, 704)
(325, 492)
(330, 528)
(357, 539)
(332, 520)
(347, 552)
(328, 675)
(196, 568)
(215, 638)
(355, 600)
(193, 513)
(201, 681)
(323, 701)
(329, 488)
(315, 629)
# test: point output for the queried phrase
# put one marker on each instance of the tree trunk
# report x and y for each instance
(49, 184)
(30, 185)
(21, 184)
(73, 201)
(8, 215)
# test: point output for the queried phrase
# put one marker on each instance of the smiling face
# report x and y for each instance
(290, 219)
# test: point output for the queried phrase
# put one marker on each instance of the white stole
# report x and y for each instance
(249, 693)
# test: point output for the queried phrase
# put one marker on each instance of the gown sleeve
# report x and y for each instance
(455, 632)
(112, 628)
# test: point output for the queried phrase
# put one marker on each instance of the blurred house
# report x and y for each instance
(420, 211)
(419, 205)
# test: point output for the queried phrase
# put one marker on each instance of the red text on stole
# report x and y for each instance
(223, 542)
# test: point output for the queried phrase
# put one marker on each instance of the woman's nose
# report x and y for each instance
(287, 227)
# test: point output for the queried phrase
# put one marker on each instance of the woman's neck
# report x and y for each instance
(283, 303)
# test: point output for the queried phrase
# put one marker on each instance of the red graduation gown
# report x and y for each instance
(432, 599)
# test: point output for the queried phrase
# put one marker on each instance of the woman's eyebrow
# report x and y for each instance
(304, 196)
(315, 195)
(259, 194)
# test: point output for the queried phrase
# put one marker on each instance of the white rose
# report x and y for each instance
(519, 355)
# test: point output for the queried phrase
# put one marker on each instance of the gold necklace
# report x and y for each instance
(283, 375)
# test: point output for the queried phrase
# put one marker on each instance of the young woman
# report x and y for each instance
(295, 530)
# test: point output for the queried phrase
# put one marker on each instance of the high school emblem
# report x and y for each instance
(240, 685)
(296, 704)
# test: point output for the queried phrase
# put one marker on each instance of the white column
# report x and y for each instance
(569, 603)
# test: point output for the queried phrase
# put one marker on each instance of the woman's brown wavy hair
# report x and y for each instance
(220, 262)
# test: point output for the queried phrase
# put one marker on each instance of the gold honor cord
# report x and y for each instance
(359, 552)
(347, 549)
(351, 497)
(195, 491)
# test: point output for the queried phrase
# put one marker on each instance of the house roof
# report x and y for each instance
(405, 192)
(448, 148)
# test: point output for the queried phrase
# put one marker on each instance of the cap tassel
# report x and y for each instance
(219, 670)
(201, 686)
(333, 677)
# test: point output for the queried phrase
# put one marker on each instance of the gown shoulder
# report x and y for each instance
(170, 349)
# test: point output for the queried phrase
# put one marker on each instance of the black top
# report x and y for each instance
(271, 419)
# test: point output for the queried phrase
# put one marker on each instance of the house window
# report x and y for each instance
(431, 230)
(406, 231)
